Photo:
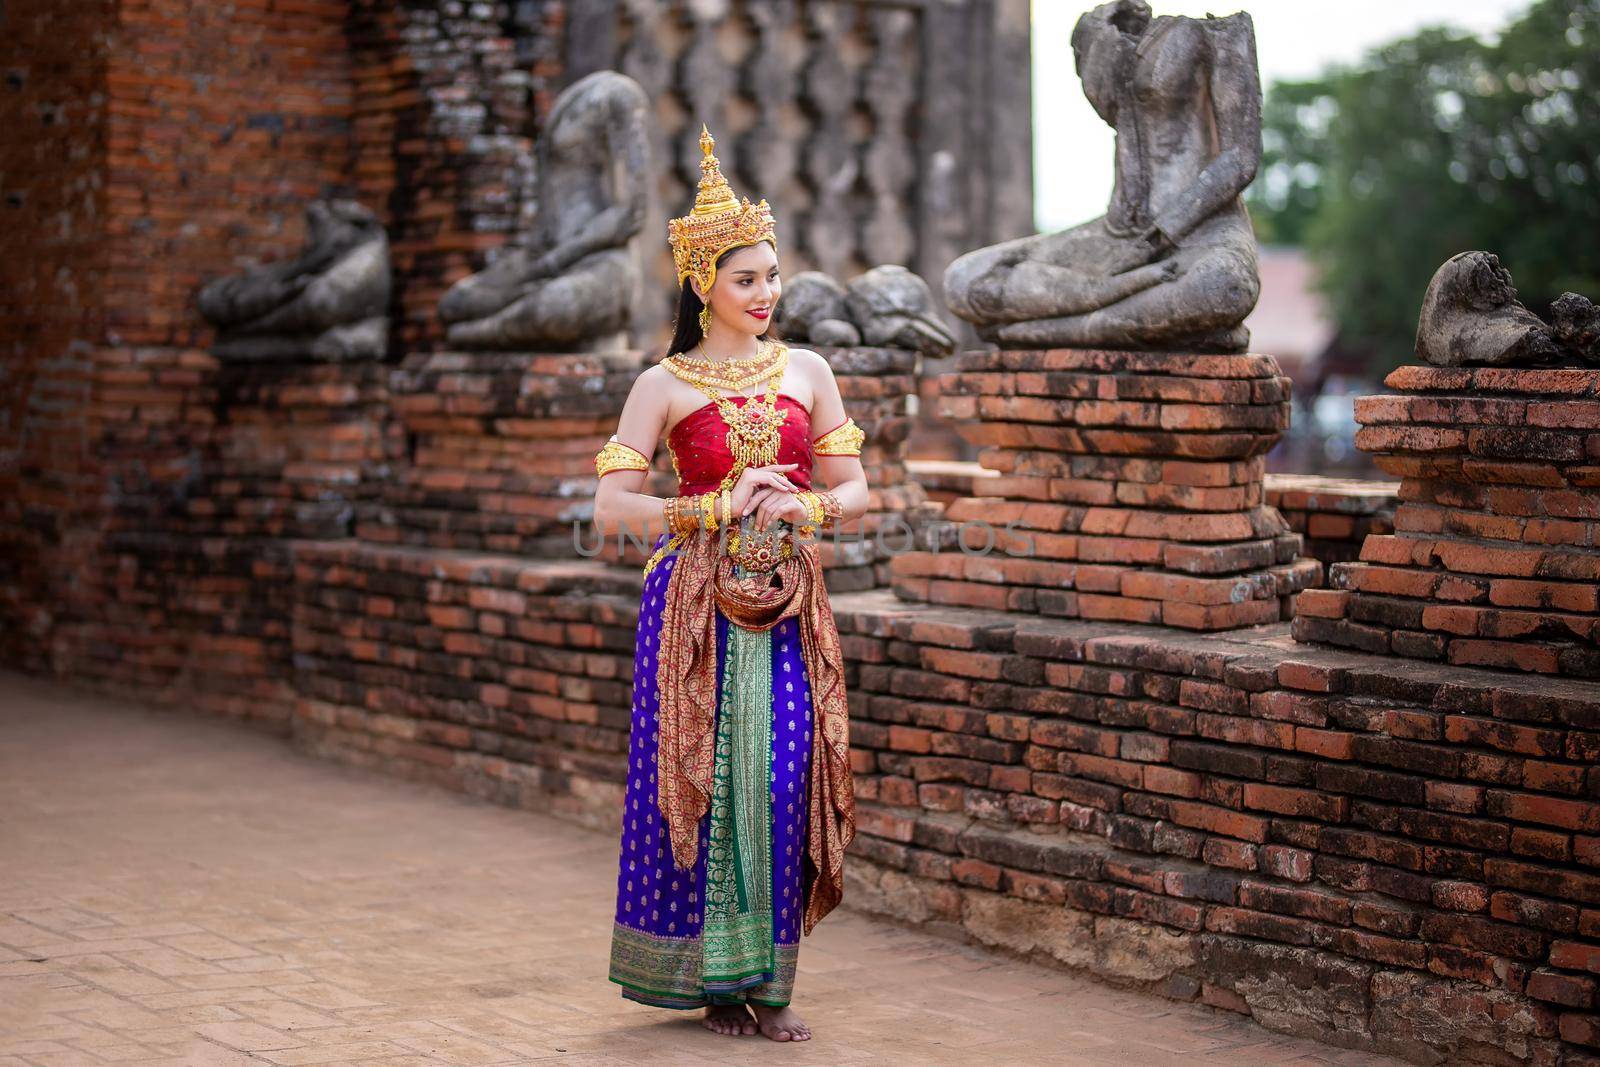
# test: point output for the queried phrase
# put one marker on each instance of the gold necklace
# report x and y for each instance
(740, 388)
(726, 373)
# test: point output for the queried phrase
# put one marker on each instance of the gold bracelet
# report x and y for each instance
(813, 506)
(616, 456)
(675, 520)
(832, 510)
(685, 514)
(843, 440)
(726, 499)
(707, 503)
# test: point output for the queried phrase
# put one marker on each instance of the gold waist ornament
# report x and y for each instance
(760, 551)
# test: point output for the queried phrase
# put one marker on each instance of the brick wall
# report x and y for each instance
(1215, 818)
(1495, 559)
(488, 673)
(148, 134)
(1129, 489)
(144, 488)
(443, 131)
(224, 121)
(501, 447)
(1405, 861)
(1333, 516)
(52, 151)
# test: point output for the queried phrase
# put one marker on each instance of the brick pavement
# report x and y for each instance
(178, 890)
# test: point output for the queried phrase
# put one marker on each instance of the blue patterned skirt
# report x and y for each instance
(726, 930)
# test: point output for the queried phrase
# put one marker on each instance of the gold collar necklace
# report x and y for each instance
(736, 374)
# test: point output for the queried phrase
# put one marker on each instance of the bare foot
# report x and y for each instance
(728, 1019)
(781, 1024)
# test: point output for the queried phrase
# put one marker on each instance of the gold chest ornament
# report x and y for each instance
(754, 426)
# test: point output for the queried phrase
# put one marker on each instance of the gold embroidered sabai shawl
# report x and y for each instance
(703, 580)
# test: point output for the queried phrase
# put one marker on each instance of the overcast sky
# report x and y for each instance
(1294, 39)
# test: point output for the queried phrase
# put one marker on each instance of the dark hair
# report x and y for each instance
(686, 329)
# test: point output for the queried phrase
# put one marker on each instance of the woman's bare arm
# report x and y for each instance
(618, 502)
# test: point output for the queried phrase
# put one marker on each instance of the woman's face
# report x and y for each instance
(746, 288)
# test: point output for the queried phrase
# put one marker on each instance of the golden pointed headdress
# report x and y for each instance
(717, 223)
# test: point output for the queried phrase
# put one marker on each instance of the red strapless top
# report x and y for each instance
(698, 445)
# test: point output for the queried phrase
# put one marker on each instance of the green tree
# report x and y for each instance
(1432, 145)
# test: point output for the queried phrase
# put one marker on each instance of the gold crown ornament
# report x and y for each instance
(717, 223)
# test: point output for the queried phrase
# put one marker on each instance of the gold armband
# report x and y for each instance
(616, 456)
(843, 440)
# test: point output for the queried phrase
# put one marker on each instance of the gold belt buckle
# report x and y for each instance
(759, 551)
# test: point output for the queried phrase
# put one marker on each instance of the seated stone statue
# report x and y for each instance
(573, 281)
(885, 307)
(1471, 317)
(331, 302)
(1575, 324)
(1172, 264)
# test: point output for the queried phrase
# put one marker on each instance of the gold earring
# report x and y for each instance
(705, 320)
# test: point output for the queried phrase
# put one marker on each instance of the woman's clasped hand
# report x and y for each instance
(768, 494)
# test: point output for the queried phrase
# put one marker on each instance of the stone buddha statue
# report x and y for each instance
(1172, 263)
(571, 283)
(885, 307)
(331, 302)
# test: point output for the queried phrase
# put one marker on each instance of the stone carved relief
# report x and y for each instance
(817, 101)
(880, 131)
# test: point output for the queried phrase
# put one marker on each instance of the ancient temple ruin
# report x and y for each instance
(1319, 753)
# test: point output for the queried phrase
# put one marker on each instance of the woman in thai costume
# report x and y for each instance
(738, 803)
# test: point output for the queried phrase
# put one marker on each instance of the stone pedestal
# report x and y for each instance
(501, 450)
(1129, 488)
(183, 586)
(300, 449)
(1495, 557)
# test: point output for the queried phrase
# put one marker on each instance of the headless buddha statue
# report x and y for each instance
(573, 281)
(329, 303)
(1172, 264)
